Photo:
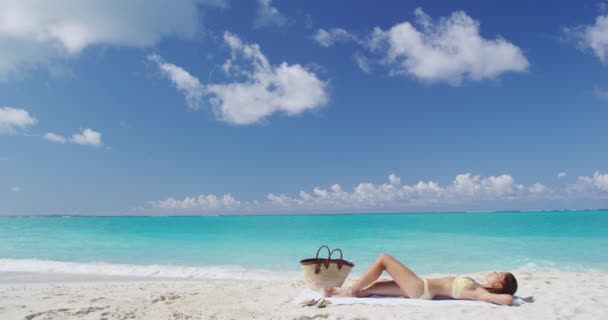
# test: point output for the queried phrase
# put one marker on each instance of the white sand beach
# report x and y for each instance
(557, 295)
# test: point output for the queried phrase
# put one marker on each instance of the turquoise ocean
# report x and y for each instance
(272, 246)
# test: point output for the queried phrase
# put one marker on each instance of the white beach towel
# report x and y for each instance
(392, 301)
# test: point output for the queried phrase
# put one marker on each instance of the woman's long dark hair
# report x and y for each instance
(509, 285)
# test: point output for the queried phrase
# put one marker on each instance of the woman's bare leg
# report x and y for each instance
(382, 288)
(407, 281)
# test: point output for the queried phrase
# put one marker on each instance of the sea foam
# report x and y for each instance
(145, 271)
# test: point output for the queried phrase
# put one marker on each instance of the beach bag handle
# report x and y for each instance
(328, 260)
(326, 263)
(340, 261)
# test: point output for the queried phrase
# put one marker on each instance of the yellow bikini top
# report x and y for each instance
(458, 284)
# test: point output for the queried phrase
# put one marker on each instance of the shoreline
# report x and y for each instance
(67, 270)
(557, 294)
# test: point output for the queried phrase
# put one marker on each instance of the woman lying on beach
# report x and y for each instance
(499, 287)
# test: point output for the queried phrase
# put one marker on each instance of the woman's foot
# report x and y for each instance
(327, 292)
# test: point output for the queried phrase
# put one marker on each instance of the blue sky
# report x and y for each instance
(204, 107)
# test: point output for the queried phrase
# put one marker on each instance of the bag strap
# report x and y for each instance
(326, 263)
(340, 263)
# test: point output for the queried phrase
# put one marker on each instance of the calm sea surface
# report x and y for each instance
(240, 246)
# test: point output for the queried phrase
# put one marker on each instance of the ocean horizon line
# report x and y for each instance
(296, 213)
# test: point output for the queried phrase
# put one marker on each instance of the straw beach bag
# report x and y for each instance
(326, 272)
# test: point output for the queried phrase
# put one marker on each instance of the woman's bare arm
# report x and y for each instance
(481, 294)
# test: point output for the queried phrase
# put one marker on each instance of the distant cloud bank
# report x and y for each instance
(465, 189)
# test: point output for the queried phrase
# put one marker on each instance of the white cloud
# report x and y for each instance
(13, 120)
(202, 202)
(598, 182)
(466, 189)
(594, 37)
(362, 62)
(183, 81)
(53, 137)
(562, 174)
(469, 185)
(602, 94)
(268, 16)
(260, 89)
(540, 190)
(39, 32)
(16, 189)
(449, 50)
(87, 137)
(327, 38)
